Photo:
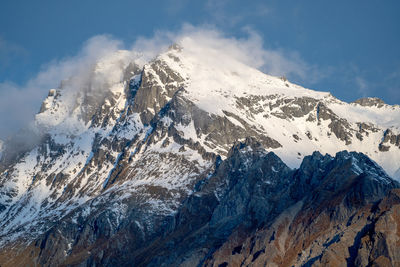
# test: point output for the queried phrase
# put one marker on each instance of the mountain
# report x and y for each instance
(195, 158)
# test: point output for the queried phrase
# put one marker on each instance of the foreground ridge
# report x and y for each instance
(252, 209)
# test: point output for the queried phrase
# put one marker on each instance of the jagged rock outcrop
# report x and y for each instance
(389, 138)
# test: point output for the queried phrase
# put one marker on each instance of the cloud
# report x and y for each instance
(361, 82)
(226, 13)
(250, 50)
(219, 14)
(10, 51)
(7, 47)
(173, 7)
(18, 104)
(392, 83)
(78, 66)
(362, 85)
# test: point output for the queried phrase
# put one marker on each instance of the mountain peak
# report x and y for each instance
(175, 47)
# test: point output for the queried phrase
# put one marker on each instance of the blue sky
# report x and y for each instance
(350, 48)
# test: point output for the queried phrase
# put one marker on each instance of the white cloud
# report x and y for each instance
(18, 104)
(362, 86)
(78, 66)
(250, 50)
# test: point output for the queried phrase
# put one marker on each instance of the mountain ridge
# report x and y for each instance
(150, 133)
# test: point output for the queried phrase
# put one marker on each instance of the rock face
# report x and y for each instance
(182, 162)
(370, 102)
(332, 222)
(389, 138)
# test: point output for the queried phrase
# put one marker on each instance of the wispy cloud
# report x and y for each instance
(219, 14)
(231, 13)
(392, 85)
(173, 7)
(250, 50)
(9, 51)
(18, 104)
(362, 85)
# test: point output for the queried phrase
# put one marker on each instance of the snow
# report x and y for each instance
(189, 132)
(235, 121)
(214, 81)
(385, 116)
(136, 79)
(63, 107)
(356, 168)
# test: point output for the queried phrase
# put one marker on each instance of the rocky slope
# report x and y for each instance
(252, 210)
(137, 156)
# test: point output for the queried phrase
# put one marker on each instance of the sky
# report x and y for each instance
(349, 48)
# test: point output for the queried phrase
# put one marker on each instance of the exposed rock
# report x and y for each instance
(370, 102)
(299, 107)
(158, 84)
(389, 138)
(340, 127)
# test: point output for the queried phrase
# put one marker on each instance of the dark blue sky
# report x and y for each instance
(354, 45)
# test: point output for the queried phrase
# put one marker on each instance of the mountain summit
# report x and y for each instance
(173, 160)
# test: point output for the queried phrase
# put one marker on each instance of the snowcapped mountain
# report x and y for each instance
(123, 147)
